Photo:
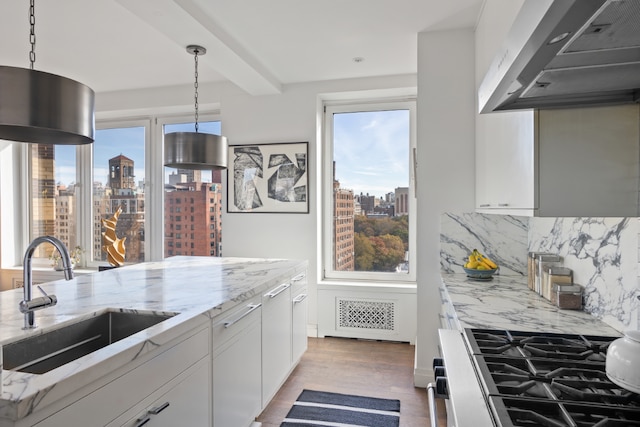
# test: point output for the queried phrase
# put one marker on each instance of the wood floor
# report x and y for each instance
(360, 367)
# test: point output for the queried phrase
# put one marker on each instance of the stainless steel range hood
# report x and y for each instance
(566, 53)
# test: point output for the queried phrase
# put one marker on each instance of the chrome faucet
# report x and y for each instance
(29, 304)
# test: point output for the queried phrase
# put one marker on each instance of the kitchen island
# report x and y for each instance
(505, 302)
(196, 292)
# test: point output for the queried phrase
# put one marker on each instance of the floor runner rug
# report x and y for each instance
(323, 409)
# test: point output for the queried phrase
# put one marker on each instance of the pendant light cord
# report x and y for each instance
(195, 86)
(32, 33)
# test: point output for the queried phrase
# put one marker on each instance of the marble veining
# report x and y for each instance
(197, 288)
(507, 303)
(503, 238)
(603, 254)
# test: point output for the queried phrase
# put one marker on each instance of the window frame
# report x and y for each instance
(329, 273)
(154, 193)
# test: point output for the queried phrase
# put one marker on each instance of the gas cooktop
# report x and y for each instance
(547, 379)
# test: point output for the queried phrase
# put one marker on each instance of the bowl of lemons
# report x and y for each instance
(480, 267)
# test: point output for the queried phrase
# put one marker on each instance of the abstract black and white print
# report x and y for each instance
(268, 178)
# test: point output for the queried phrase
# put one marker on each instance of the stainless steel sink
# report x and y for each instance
(41, 353)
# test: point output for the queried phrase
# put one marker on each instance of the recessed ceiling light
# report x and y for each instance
(358, 59)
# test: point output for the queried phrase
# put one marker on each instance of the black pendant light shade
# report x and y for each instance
(194, 150)
(45, 108)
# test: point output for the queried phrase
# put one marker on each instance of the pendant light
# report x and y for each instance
(194, 150)
(44, 108)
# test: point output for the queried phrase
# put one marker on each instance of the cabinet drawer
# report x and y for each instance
(186, 398)
(299, 307)
(107, 403)
(298, 283)
(232, 322)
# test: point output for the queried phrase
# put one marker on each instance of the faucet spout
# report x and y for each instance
(27, 306)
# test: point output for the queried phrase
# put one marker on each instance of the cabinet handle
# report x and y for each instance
(142, 421)
(275, 292)
(503, 205)
(158, 409)
(485, 205)
(251, 308)
(299, 298)
(299, 277)
(432, 404)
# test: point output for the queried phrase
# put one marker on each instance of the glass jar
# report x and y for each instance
(553, 274)
(542, 261)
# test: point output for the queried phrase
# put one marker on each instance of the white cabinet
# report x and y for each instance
(187, 399)
(276, 339)
(505, 142)
(148, 385)
(299, 309)
(255, 346)
(237, 369)
(506, 160)
(560, 162)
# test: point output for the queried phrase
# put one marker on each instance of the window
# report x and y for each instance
(117, 165)
(198, 191)
(368, 196)
(118, 177)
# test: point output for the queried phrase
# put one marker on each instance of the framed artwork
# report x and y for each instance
(268, 178)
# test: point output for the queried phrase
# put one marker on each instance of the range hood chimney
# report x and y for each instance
(566, 53)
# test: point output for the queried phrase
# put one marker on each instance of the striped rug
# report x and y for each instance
(323, 409)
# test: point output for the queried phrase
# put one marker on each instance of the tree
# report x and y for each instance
(365, 252)
(380, 243)
(389, 252)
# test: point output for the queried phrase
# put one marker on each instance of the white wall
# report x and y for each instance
(446, 166)
(292, 116)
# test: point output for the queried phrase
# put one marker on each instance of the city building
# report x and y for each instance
(343, 228)
(65, 224)
(401, 201)
(122, 192)
(193, 219)
(43, 195)
(367, 203)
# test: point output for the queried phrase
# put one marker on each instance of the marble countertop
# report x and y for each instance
(197, 288)
(507, 303)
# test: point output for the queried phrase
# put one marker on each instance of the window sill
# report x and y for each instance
(398, 287)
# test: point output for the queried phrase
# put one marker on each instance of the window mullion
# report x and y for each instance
(84, 178)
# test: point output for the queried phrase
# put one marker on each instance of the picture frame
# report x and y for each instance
(268, 178)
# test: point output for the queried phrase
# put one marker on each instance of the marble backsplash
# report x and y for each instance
(602, 252)
(502, 238)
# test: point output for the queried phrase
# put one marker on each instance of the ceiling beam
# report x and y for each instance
(185, 23)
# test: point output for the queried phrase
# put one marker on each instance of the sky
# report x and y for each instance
(110, 143)
(371, 151)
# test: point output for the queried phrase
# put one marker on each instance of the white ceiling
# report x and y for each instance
(259, 45)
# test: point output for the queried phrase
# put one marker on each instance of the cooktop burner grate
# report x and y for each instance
(535, 344)
(513, 412)
(546, 379)
(559, 380)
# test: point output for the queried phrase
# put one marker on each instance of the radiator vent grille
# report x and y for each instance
(366, 314)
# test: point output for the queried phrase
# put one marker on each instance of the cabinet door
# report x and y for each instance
(237, 391)
(506, 160)
(116, 399)
(589, 161)
(299, 304)
(276, 340)
(186, 401)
